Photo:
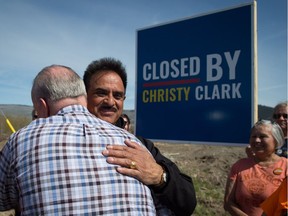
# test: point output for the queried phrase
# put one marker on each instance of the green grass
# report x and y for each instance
(209, 198)
(209, 189)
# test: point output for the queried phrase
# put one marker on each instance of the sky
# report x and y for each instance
(38, 33)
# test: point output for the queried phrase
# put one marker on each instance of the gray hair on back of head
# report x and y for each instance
(54, 85)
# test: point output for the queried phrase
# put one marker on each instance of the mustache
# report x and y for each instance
(110, 108)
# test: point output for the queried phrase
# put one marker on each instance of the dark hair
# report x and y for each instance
(105, 64)
(280, 105)
(126, 116)
(34, 114)
(121, 122)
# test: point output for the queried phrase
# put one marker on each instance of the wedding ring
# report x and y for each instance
(133, 165)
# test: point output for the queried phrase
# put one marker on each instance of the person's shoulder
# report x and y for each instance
(26, 129)
(142, 139)
(243, 163)
(283, 160)
(240, 166)
(145, 141)
(244, 160)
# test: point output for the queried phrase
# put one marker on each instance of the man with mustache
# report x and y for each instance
(173, 192)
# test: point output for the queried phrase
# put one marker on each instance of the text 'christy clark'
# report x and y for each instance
(167, 73)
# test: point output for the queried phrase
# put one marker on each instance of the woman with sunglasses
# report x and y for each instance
(280, 116)
(126, 121)
(251, 180)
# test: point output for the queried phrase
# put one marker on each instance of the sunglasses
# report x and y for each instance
(278, 116)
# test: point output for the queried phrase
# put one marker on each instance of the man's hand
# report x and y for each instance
(135, 161)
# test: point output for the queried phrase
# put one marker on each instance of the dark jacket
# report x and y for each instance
(178, 193)
(282, 151)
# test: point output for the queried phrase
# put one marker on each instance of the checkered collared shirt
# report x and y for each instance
(54, 166)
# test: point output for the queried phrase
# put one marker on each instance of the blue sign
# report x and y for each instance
(195, 78)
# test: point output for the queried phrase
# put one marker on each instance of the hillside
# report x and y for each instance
(25, 111)
(20, 115)
(16, 110)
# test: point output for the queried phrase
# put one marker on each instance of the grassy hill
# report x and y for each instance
(20, 115)
(9, 110)
(16, 110)
(17, 115)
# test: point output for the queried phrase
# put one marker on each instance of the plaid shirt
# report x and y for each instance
(54, 166)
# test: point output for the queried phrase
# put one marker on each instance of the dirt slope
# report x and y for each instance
(208, 166)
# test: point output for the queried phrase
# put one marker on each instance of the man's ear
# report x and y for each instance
(43, 107)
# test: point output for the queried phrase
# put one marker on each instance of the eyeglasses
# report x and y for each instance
(278, 116)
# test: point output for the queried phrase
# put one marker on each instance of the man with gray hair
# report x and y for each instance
(55, 166)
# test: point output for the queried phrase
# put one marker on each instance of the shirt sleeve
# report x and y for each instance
(8, 195)
(237, 167)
